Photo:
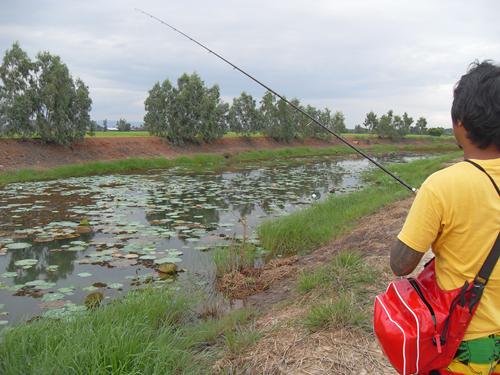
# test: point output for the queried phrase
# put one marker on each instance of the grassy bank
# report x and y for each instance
(309, 228)
(153, 331)
(206, 161)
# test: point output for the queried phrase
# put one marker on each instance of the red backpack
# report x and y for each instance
(420, 326)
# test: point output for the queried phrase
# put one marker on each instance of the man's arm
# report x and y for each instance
(404, 259)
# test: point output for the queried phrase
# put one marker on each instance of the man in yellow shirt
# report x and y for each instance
(457, 213)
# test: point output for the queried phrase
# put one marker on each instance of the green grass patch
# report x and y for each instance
(153, 331)
(305, 230)
(241, 338)
(343, 312)
(234, 257)
(347, 271)
(114, 133)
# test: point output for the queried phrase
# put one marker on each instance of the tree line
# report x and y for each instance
(394, 126)
(190, 111)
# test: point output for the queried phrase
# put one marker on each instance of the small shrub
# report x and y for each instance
(240, 338)
(234, 257)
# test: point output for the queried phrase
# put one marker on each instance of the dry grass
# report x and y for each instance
(248, 281)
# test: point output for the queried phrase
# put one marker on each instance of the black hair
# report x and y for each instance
(476, 104)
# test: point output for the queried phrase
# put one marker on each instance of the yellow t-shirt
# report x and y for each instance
(457, 212)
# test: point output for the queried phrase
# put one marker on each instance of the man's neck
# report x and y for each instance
(473, 152)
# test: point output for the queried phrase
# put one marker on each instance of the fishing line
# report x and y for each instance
(339, 137)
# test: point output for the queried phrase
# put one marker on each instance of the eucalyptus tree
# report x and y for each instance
(371, 122)
(213, 115)
(338, 122)
(41, 98)
(243, 116)
(123, 125)
(16, 93)
(281, 121)
(186, 113)
(159, 110)
(421, 126)
(307, 128)
(386, 127)
(62, 106)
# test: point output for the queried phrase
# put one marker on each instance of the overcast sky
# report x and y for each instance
(352, 56)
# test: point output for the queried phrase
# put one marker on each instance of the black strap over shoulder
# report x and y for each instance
(486, 173)
(484, 273)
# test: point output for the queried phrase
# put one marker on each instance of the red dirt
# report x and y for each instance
(15, 154)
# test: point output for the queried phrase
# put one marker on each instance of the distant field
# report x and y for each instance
(120, 134)
(115, 133)
(410, 136)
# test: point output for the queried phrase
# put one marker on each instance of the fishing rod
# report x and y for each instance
(339, 137)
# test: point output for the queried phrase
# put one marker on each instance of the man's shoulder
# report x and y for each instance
(447, 178)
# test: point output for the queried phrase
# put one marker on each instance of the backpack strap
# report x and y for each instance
(484, 273)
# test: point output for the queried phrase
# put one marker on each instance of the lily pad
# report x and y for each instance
(67, 290)
(9, 274)
(51, 297)
(84, 274)
(18, 246)
(76, 248)
(168, 260)
(147, 257)
(26, 262)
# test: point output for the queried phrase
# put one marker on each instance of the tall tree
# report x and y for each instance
(159, 114)
(186, 113)
(123, 126)
(407, 121)
(16, 93)
(243, 116)
(338, 122)
(386, 125)
(307, 128)
(421, 126)
(371, 121)
(41, 98)
(267, 111)
(213, 115)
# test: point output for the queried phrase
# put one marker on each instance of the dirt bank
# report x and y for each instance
(16, 154)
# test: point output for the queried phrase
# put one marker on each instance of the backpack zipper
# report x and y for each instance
(436, 339)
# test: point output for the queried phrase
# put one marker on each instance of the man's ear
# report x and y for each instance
(460, 133)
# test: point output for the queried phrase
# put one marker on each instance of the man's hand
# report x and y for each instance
(404, 259)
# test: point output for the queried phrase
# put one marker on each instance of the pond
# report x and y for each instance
(61, 240)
